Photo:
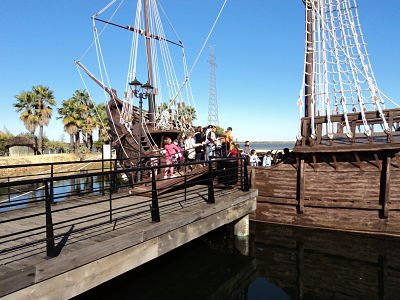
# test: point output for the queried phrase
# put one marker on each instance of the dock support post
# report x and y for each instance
(241, 227)
(241, 231)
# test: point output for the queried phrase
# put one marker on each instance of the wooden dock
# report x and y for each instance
(92, 255)
(62, 234)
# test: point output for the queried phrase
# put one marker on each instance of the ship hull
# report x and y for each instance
(357, 192)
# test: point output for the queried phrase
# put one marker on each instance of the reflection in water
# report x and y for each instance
(284, 263)
(316, 264)
(207, 268)
(63, 189)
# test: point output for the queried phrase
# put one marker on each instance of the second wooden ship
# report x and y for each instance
(344, 171)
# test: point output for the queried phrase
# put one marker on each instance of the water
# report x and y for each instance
(265, 146)
(21, 196)
(284, 263)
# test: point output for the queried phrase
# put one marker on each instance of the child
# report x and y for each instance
(267, 160)
(170, 150)
(154, 161)
(254, 160)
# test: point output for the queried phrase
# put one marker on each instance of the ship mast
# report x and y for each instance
(152, 100)
(309, 65)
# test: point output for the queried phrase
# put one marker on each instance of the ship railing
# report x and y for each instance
(359, 135)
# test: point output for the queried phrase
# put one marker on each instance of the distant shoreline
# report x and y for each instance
(268, 142)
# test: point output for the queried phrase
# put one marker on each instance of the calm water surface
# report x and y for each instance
(282, 263)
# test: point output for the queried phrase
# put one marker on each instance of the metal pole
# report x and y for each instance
(185, 184)
(8, 189)
(110, 194)
(102, 171)
(50, 246)
(155, 212)
(210, 198)
(246, 176)
(51, 183)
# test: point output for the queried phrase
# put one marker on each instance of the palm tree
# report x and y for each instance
(69, 114)
(26, 106)
(88, 116)
(190, 113)
(44, 100)
(102, 123)
(78, 114)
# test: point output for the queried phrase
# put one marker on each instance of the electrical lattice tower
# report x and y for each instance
(212, 100)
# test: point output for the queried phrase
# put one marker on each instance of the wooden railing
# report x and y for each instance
(357, 140)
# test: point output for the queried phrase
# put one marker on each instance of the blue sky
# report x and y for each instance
(258, 46)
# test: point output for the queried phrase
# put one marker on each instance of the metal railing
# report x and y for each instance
(52, 208)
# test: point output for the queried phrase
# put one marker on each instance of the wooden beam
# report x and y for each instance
(397, 157)
(314, 163)
(335, 164)
(300, 186)
(378, 163)
(359, 164)
(384, 193)
(390, 124)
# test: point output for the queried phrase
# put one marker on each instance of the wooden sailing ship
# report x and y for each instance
(344, 172)
(137, 133)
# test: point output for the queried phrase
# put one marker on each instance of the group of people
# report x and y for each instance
(198, 145)
(205, 143)
(267, 159)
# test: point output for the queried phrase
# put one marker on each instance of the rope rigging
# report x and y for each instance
(174, 113)
(342, 78)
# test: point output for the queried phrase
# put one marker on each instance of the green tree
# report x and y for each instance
(69, 113)
(43, 101)
(88, 116)
(79, 116)
(190, 113)
(4, 138)
(25, 105)
(35, 108)
(102, 123)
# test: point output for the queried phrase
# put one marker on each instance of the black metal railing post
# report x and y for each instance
(102, 172)
(210, 198)
(185, 185)
(51, 182)
(246, 184)
(115, 175)
(155, 211)
(8, 189)
(50, 245)
(111, 186)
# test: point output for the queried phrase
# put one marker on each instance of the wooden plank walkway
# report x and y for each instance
(131, 228)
